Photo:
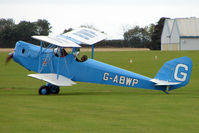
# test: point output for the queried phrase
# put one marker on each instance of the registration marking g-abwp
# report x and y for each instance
(122, 80)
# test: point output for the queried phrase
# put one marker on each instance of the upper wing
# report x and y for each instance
(163, 82)
(59, 41)
(52, 78)
(85, 36)
(75, 37)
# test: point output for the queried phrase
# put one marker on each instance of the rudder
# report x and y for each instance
(176, 71)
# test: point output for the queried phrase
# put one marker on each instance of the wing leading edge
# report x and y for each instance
(59, 41)
(52, 79)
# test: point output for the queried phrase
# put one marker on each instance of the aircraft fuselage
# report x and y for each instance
(91, 71)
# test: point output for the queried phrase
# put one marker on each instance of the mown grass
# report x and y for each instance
(92, 108)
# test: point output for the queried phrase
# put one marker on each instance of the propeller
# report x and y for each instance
(10, 56)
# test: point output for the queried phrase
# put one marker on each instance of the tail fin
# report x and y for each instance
(174, 73)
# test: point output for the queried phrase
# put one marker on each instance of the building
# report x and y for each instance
(180, 34)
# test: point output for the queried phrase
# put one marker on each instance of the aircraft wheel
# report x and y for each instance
(54, 89)
(44, 90)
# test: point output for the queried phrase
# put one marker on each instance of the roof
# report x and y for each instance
(170, 24)
(188, 27)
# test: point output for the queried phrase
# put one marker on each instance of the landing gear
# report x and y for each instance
(54, 89)
(48, 89)
(44, 90)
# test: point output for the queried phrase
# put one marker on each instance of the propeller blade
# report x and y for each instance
(10, 56)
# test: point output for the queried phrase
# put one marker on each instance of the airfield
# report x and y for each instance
(94, 108)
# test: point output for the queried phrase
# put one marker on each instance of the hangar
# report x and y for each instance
(180, 34)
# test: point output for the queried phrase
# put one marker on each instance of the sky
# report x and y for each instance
(111, 16)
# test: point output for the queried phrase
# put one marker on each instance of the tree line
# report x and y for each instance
(136, 37)
(139, 37)
(10, 32)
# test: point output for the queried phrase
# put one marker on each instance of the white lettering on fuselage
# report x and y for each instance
(122, 80)
(106, 75)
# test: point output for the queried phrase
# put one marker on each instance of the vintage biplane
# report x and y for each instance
(58, 68)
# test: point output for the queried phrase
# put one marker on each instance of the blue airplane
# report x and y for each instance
(58, 68)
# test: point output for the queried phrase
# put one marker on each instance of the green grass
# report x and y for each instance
(91, 108)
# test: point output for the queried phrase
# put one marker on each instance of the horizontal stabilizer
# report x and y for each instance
(52, 79)
(163, 82)
(58, 41)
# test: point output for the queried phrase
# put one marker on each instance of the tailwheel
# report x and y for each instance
(54, 89)
(44, 90)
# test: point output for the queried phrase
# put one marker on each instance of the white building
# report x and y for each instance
(180, 34)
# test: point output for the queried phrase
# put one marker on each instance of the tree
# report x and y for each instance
(137, 37)
(4, 23)
(156, 35)
(150, 29)
(6, 32)
(43, 27)
(24, 30)
(10, 32)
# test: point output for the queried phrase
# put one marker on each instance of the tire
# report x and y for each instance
(44, 90)
(54, 89)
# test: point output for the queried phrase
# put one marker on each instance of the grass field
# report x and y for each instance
(91, 108)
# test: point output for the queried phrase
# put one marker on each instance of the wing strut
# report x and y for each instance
(93, 46)
(41, 46)
(58, 62)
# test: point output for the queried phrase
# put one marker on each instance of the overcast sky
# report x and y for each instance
(106, 15)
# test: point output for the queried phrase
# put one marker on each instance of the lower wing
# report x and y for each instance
(52, 79)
